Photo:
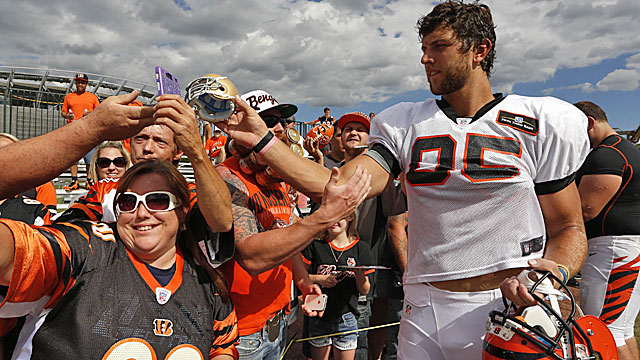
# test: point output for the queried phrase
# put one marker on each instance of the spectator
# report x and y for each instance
(290, 122)
(466, 244)
(45, 193)
(326, 119)
(76, 105)
(324, 261)
(215, 147)
(174, 130)
(260, 275)
(109, 160)
(101, 267)
(609, 187)
(372, 115)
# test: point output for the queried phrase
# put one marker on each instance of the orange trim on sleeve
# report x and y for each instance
(304, 259)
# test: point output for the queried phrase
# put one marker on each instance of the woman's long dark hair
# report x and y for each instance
(179, 188)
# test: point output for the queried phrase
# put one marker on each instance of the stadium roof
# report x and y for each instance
(61, 82)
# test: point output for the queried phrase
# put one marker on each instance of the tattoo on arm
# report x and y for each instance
(245, 223)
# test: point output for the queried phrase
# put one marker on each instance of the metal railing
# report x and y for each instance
(30, 113)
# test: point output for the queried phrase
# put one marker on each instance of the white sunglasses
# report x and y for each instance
(127, 202)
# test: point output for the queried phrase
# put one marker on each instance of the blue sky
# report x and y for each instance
(357, 55)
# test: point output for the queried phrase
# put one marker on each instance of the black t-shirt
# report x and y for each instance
(621, 215)
(321, 256)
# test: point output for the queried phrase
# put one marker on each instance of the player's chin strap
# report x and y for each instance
(545, 286)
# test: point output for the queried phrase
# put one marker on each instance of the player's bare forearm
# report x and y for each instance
(567, 242)
(7, 249)
(301, 275)
(398, 239)
(310, 178)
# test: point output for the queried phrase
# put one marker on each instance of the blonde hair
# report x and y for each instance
(92, 172)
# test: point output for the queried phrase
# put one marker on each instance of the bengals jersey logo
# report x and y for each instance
(162, 327)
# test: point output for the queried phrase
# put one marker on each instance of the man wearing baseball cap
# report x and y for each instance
(267, 241)
(76, 105)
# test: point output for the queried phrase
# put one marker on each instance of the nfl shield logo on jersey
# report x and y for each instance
(162, 295)
(351, 261)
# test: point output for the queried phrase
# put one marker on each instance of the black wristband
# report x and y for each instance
(262, 143)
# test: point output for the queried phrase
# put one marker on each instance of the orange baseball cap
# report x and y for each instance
(357, 116)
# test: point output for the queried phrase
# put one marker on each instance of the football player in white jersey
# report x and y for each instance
(489, 181)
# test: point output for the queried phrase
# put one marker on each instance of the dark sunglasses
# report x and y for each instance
(272, 120)
(104, 162)
(128, 202)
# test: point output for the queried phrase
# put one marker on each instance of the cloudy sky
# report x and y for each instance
(355, 55)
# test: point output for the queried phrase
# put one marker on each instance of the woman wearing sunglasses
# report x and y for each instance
(137, 288)
(110, 160)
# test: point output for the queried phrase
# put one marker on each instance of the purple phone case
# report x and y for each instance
(167, 83)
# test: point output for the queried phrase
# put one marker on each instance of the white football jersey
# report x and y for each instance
(472, 185)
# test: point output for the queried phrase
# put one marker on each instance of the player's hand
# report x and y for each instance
(518, 293)
(245, 126)
(312, 289)
(339, 201)
(113, 119)
(174, 112)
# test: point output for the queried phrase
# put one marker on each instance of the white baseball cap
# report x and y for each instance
(261, 100)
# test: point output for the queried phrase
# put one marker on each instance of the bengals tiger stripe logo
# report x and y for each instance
(620, 286)
(162, 327)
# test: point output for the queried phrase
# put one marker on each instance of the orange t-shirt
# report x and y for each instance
(79, 103)
(214, 146)
(257, 298)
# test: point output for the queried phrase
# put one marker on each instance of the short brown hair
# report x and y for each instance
(471, 23)
(591, 109)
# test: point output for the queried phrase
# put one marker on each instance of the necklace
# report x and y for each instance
(336, 258)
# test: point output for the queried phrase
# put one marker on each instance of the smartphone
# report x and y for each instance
(167, 83)
(315, 302)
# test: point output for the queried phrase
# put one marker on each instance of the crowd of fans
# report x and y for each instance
(146, 262)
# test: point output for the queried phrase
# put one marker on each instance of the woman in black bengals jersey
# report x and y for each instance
(136, 288)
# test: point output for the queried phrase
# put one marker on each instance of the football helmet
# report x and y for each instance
(540, 331)
(212, 97)
(321, 133)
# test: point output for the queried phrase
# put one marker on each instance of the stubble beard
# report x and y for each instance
(455, 77)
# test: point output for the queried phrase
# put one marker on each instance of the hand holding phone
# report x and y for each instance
(314, 302)
(167, 83)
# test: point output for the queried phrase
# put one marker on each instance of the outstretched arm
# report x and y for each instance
(247, 128)
(29, 163)
(257, 251)
(213, 197)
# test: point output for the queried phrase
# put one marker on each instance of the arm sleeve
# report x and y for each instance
(87, 207)
(307, 254)
(562, 147)
(225, 330)
(65, 105)
(42, 271)
(603, 160)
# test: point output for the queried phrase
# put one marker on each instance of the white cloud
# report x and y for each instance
(319, 53)
(620, 79)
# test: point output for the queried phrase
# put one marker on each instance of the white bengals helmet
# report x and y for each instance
(212, 97)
